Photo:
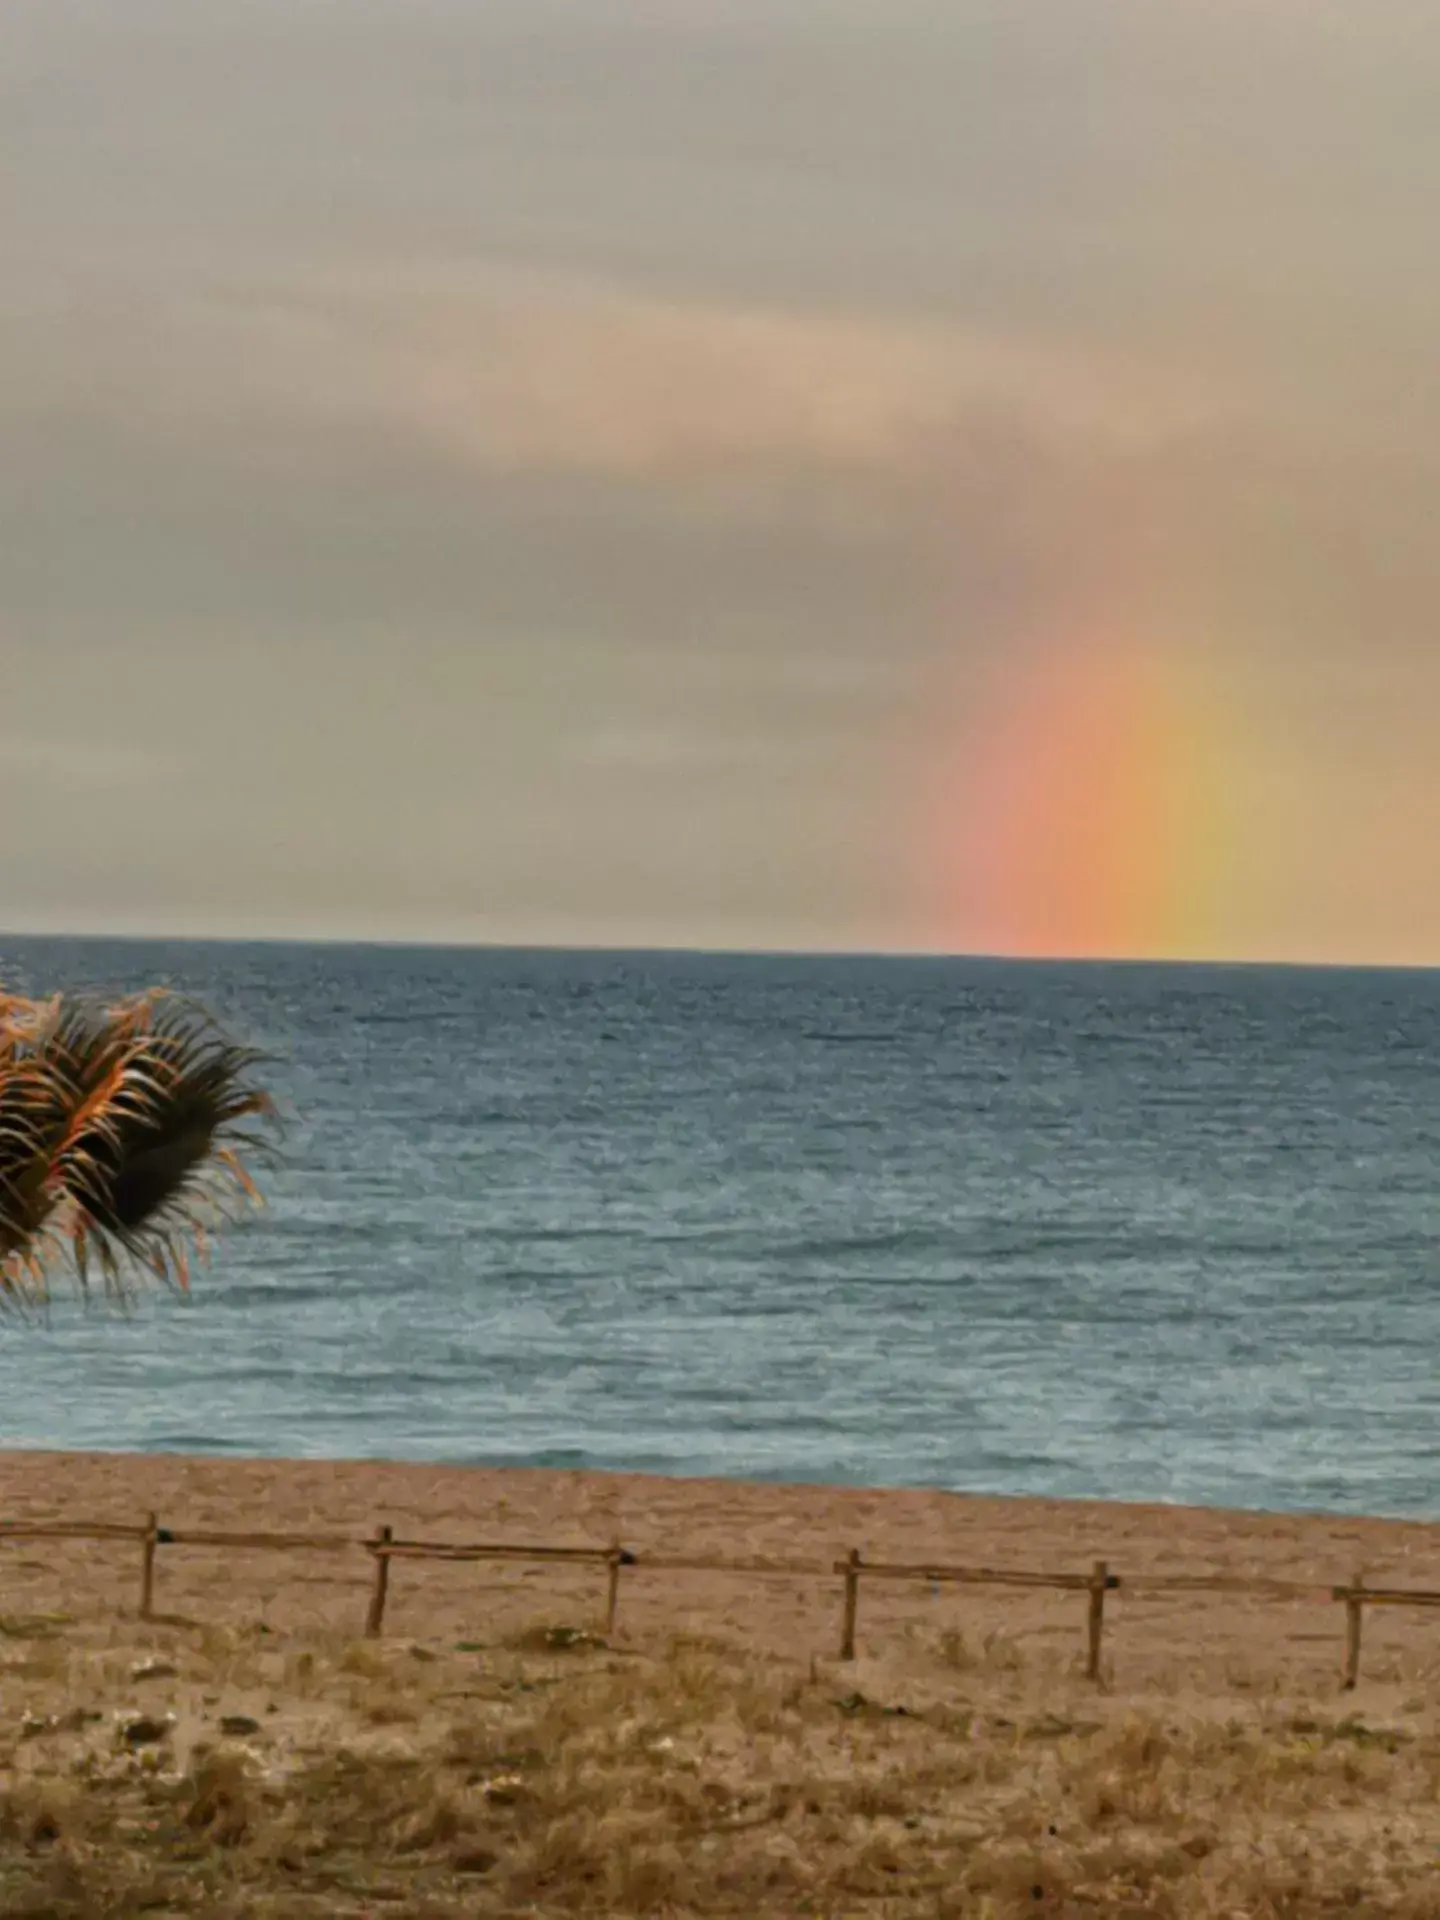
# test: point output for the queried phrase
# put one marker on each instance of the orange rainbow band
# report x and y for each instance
(1093, 813)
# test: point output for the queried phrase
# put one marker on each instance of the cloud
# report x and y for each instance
(551, 453)
(515, 373)
(85, 766)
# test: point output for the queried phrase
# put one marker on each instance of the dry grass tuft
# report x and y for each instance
(996, 1653)
(562, 1777)
(554, 1638)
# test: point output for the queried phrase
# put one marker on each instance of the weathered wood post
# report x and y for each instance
(147, 1566)
(851, 1570)
(1099, 1582)
(376, 1616)
(1354, 1612)
(618, 1558)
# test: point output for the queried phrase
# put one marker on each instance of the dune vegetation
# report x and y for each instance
(182, 1770)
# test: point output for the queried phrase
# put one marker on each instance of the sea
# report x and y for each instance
(1159, 1233)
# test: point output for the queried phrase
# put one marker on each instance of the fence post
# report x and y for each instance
(612, 1602)
(851, 1570)
(376, 1615)
(1353, 1613)
(147, 1566)
(1099, 1581)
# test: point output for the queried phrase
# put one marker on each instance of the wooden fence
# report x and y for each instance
(384, 1549)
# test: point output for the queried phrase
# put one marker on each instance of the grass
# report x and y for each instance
(178, 1773)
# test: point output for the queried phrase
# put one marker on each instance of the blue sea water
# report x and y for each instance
(1137, 1232)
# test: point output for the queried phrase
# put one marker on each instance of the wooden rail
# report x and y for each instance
(385, 1549)
(1095, 1584)
(1356, 1597)
(446, 1550)
(1258, 1586)
(69, 1530)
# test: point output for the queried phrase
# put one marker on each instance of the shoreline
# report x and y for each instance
(1152, 1639)
(347, 1465)
(187, 1465)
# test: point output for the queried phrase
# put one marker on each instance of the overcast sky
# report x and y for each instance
(535, 470)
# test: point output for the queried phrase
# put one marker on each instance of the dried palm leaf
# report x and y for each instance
(126, 1140)
(34, 1113)
(20, 1018)
(33, 1118)
(155, 1156)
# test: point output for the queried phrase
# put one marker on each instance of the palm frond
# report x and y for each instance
(33, 1115)
(20, 1017)
(32, 1125)
(124, 1136)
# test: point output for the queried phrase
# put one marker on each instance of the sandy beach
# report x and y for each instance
(1152, 1639)
(246, 1752)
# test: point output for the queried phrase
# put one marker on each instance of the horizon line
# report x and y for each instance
(680, 949)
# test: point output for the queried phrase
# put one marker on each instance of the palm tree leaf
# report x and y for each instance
(155, 1152)
(33, 1117)
(123, 1136)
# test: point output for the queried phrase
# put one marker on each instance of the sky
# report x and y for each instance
(877, 474)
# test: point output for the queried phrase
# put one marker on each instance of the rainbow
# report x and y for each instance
(1088, 805)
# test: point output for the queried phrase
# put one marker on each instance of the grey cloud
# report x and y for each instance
(537, 456)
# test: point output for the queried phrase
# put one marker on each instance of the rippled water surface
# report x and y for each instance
(1143, 1233)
